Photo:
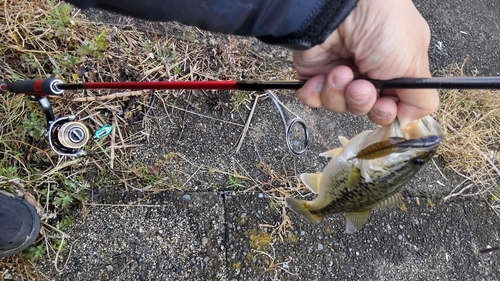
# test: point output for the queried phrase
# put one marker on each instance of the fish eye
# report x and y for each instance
(418, 161)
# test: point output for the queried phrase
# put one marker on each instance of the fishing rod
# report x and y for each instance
(53, 86)
(67, 136)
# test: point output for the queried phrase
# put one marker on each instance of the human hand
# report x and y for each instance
(381, 40)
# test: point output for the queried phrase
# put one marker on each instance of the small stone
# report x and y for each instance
(204, 241)
(206, 259)
(186, 197)
(349, 268)
(320, 247)
(400, 237)
(302, 233)
(261, 195)
(109, 267)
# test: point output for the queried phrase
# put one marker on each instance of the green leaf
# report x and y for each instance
(66, 222)
(59, 244)
(80, 195)
(63, 199)
(36, 252)
(101, 41)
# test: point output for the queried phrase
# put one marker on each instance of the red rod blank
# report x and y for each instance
(164, 85)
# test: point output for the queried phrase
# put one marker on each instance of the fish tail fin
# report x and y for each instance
(300, 207)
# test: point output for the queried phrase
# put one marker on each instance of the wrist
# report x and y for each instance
(320, 24)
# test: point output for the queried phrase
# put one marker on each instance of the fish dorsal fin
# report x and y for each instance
(354, 221)
(332, 153)
(393, 200)
(343, 140)
(312, 181)
(353, 178)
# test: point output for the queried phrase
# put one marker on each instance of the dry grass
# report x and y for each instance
(471, 120)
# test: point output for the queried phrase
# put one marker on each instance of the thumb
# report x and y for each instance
(415, 104)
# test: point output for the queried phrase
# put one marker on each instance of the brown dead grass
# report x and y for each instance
(471, 120)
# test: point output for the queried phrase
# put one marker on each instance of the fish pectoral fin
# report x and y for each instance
(353, 178)
(354, 221)
(393, 200)
(343, 140)
(312, 181)
(332, 153)
(300, 207)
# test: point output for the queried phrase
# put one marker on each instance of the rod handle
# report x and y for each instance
(439, 83)
(37, 87)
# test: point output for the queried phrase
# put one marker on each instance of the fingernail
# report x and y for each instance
(360, 98)
(319, 87)
(341, 82)
(381, 114)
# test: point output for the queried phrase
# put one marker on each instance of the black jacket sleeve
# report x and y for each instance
(295, 24)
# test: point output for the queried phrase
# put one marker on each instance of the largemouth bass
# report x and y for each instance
(369, 171)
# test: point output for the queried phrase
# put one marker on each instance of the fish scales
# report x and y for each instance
(355, 184)
(363, 196)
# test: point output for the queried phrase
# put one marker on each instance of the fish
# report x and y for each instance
(368, 172)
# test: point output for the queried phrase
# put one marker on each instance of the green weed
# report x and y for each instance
(35, 252)
(65, 223)
(240, 97)
(234, 182)
(59, 245)
(95, 48)
(34, 125)
(176, 70)
(169, 157)
(59, 18)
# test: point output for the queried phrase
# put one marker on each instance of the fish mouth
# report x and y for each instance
(423, 156)
(427, 129)
(425, 134)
